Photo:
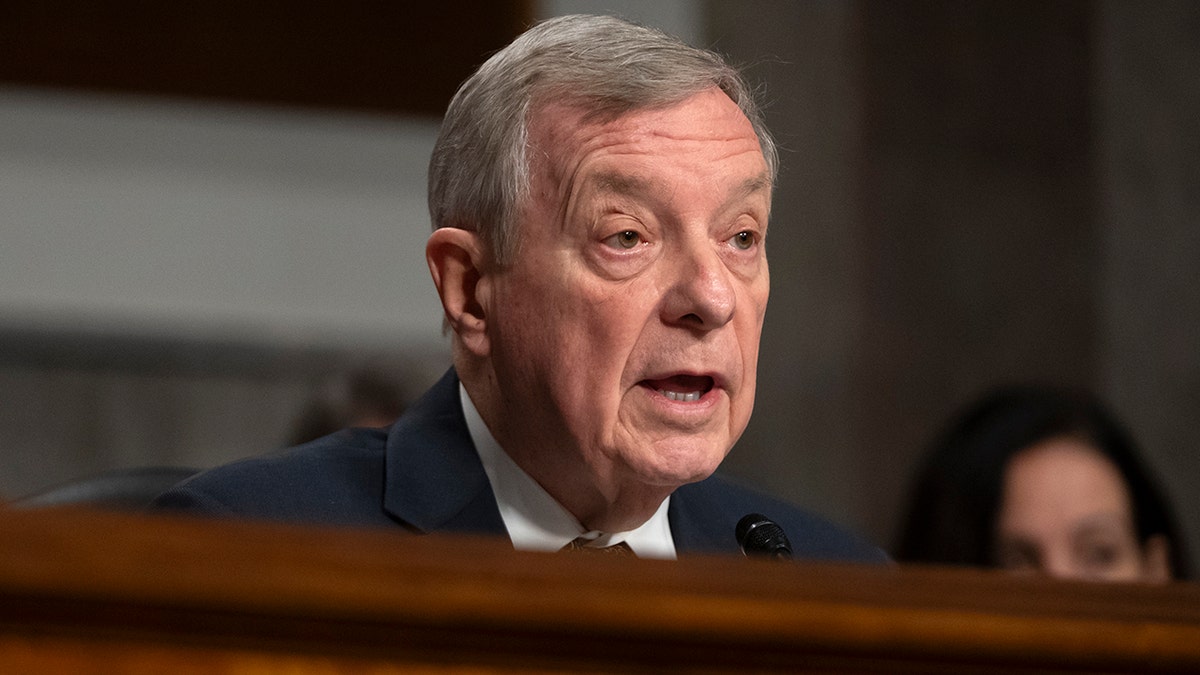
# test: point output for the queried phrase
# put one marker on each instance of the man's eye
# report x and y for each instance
(743, 240)
(626, 239)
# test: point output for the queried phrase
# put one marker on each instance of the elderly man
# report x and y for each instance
(600, 194)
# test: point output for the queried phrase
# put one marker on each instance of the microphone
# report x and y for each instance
(758, 535)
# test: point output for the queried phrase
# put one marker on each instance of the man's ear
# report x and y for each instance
(456, 261)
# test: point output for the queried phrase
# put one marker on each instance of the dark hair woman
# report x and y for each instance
(1041, 479)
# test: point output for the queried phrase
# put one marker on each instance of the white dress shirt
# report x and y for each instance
(536, 521)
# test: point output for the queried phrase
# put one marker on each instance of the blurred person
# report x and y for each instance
(600, 194)
(1040, 480)
(372, 394)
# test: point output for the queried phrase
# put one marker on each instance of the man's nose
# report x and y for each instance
(701, 294)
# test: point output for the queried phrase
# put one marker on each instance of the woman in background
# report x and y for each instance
(1036, 479)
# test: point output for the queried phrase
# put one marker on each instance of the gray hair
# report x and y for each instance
(479, 171)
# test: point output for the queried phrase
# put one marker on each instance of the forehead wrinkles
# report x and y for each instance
(563, 138)
(616, 177)
(619, 184)
(569, 131)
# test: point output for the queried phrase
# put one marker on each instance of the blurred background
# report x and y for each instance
(210, 210)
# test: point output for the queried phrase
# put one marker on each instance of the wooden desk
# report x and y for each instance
(89, 592)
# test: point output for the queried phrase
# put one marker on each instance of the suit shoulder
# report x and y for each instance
(330, 480)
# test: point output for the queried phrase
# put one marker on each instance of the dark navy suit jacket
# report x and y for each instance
(424, 474)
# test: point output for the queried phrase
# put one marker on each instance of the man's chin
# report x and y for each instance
(674, 469)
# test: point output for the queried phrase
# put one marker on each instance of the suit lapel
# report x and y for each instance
(698, 524)
(435, 481)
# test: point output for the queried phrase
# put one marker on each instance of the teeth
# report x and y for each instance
(679, 396)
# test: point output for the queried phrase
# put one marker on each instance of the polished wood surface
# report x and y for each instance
(90, 592)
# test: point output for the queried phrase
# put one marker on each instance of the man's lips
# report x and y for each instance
(681, 387)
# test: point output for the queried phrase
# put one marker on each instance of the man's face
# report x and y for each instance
(625, 334)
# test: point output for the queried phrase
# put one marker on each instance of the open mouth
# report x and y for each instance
(681, 387)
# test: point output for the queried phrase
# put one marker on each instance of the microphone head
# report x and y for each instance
(759, 535)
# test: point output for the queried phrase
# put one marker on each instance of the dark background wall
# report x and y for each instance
(972, 192)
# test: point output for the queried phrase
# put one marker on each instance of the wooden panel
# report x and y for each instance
(980, 254)
(91, 592)
(363, 54)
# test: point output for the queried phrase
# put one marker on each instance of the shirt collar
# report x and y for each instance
(536, 521)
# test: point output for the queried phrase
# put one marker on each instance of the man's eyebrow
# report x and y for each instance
(759, 183)
(613, 182)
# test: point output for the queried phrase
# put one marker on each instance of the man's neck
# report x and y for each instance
(598, 499)
(537, 520)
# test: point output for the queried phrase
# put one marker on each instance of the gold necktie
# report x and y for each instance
(579, 545)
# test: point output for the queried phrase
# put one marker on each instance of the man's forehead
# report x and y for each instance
(616, 182)
(560, 132)
(565, 116)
